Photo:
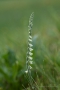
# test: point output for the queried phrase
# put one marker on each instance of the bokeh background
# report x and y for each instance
(14, 18)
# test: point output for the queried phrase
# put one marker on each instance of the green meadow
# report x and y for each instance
(14, 20)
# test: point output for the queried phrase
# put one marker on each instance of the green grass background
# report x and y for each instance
(14, 18)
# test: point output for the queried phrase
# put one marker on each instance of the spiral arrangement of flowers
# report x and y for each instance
(29, 58)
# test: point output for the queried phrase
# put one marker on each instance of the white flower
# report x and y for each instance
(30, 58)
(31, 62)
(30, 45)
(30, 40)
(30, 53)
(30, 37)
(26, 71)
(30, 49)
(29, 32)
(29, 27)
(30, 67)
(30, 24)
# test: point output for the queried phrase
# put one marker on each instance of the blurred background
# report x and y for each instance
(14, 18)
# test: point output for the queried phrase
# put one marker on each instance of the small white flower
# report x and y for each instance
(29, 28)
(29, 32)
(30, 37)
(30, 58)
(30, 24)
(26, 71)
(30, 45)
(30, 53)
(30, 40)
(30, 67)
(30, 49)
(31, 62)
(30, 21)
